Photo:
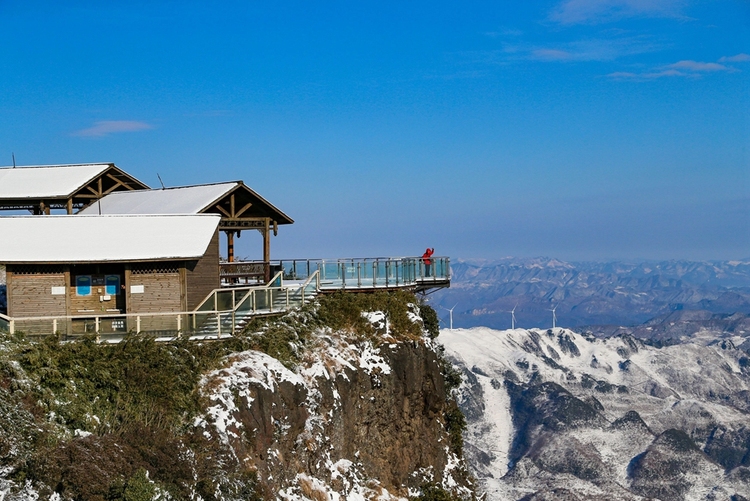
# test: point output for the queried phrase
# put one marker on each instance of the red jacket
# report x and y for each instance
(426, 256)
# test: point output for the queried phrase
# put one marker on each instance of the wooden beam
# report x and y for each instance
(69, 206)
(117, 183)
(231, 206)
(242, 210)
(223, 210)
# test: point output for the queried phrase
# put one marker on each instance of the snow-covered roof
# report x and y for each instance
(87, 239)
(47, 181)
(186, 200)
(183, 200)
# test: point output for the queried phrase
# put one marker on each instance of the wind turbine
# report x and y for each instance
(554, 317)
(451, 314)
(513, 317)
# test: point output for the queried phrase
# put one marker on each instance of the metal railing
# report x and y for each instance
(244, 271)
(370, 273)
(5, 323)
(223, 313)
(228, 309)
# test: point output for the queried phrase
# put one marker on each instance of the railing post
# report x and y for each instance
(179, 325)
(54, 326)
(218, 325)
(359, 275)
(387, 272)
(138, 324)
(12, 326)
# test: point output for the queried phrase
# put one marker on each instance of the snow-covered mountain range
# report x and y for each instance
(557, 415)
(586, 294)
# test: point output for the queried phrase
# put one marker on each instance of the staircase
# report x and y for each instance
(249, 302)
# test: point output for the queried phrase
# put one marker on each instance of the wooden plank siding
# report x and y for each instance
(162, 292)
(31, 295)
(202, 276)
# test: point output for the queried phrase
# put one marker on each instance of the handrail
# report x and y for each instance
(372, 273)
(278, 276)
(247, 288)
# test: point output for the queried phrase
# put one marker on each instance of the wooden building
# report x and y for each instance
(240, 209)
(40, 189)
(88, 265)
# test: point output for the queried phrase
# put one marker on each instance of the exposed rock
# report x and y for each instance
(670, 425)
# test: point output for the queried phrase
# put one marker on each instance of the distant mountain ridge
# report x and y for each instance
(553, 414)
(591, 293)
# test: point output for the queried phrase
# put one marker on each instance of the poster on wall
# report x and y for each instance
(112, 285)
(83, 285)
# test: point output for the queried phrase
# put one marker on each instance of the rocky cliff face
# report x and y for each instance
(354, 420)
(345, 399)
(556, 415)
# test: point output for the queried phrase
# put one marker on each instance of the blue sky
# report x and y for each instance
(579, 129)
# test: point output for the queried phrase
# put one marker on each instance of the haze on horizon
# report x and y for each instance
(576, 129)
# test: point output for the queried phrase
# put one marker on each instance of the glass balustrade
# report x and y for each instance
(228, 309)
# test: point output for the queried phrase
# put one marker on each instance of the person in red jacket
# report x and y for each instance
(427, 261)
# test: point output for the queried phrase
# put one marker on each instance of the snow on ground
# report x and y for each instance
(686, 386)
(331, 358)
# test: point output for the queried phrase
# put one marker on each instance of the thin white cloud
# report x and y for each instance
(697, 66)
(602, 11)
(684, 68)
(553, 55)
(739, 58)
(599, 49)
(107, 127)
(626, 75)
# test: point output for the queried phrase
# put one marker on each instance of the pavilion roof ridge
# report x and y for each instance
(60, 166)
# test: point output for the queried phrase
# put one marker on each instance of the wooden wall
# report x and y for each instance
(162, 293)
(201, 277)
(95, 302)
(31, 295)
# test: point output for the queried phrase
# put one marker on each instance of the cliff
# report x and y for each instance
(556, 415)
(346, 399)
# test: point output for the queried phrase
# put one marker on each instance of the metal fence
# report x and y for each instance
(222, 314)
(369, 273)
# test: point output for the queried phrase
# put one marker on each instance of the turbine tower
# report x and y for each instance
(513, 317)
(450, 311)
(554, 317)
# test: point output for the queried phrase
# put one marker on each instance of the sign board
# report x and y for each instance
(58, 291)
(136, 289)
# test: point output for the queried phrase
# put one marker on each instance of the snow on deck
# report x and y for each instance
(183, 200)
(76, 239)
(51, 181)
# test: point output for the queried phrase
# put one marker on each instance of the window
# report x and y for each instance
(112, 285)
(83, 285)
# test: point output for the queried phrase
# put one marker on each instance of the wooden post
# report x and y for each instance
(267, 248)
(70, 206)
(230, 246)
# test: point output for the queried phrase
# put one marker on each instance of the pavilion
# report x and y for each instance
(40, 189)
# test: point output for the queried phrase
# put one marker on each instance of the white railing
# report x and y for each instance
(222, 314)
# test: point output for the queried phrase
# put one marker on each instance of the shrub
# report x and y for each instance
(434, 492)
(430, 320)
